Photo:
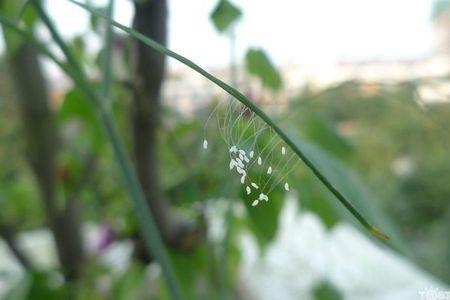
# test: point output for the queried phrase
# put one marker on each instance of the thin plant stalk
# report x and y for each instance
(106, 63)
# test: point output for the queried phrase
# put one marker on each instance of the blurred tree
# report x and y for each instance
(148, 68)
(42, 148)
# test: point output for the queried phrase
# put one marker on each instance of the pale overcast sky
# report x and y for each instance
(300, 32)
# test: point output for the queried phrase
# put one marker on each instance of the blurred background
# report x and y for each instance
(363, 85)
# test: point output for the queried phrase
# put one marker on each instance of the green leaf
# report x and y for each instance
(259, 64)
(190, 267)
(313, 199)
(75, 106)
(42, 286)
(224, 15)
(326, 291)
(263, 218)
(322, 132)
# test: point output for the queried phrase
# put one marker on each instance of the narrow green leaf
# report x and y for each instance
(224, 15)
(259, 64)
(106, 62)
(251, 105)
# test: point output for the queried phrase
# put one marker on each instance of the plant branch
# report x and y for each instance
(42, 147)
(105, 89)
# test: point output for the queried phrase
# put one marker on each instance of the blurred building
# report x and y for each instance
(187, 91)
(441, 22)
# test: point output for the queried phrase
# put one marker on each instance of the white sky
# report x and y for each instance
(300, 32)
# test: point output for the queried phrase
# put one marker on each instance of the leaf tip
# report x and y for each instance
(378, 233)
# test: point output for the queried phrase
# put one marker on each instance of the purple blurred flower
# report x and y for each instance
(106, 236)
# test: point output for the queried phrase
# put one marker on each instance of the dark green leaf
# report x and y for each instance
(224, 15)
(263, 218)
(321, 131)
(76, 107)
(43, 286)
(259, 64)
(190, 267)
(313, 200)
(326, 291)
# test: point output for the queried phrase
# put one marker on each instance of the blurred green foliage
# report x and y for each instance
(400, 150)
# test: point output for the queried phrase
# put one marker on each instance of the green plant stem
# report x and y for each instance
(106, 62)
(248, 103)
(149, 230)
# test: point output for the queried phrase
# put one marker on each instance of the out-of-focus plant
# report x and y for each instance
(400, 149)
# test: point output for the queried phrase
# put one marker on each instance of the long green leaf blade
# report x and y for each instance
(106, 61)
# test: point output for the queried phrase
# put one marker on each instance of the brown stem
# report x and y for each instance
(148, 72)
(42, 147)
